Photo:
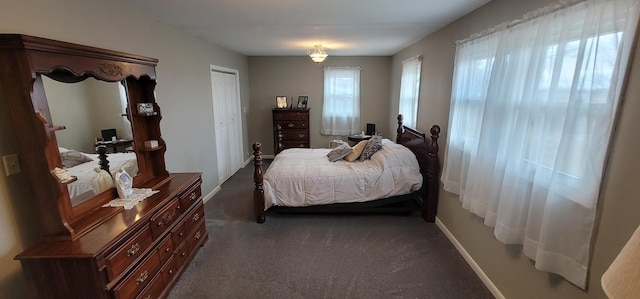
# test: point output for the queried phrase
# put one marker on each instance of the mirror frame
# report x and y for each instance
(27, 59)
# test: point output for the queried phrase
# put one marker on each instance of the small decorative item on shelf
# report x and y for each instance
(281, 102)
(124, 183)
(63, 175)
(145, 108)
(302, 102)
(151, 144)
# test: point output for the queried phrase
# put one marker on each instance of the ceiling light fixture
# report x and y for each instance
(318, 55)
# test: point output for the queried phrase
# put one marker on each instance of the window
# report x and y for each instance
(532, 110)
(410, 90)
(341, 106)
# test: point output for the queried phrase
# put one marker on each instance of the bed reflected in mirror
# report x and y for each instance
(86, 108)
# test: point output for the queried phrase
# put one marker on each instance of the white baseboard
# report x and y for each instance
(476, 268)
(211, 194)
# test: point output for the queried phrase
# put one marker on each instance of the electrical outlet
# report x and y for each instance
(11, 164)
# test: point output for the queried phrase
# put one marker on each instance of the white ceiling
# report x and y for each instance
(291, 27)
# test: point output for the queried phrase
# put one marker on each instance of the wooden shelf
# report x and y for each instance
(152, 149)
(56, 128)
(147, 114)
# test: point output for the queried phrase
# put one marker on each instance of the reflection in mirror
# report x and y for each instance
(89, 109)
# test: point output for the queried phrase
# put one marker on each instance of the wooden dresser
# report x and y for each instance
(137, 253)
(290, 129)
(87, 250)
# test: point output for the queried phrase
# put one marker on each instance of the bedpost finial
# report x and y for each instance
(435, 130)
(256, 146)
(400, 118)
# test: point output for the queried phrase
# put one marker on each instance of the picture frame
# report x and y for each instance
(302, 102)
(145, 108)
(281, 102)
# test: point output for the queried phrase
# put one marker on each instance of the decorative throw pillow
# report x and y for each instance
(72, 158)
(373, 145)
(339, 152)
(357, 150)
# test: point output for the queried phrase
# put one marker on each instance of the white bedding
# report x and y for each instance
(304, 177)
(81, 188)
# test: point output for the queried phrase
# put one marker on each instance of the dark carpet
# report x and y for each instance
(321, 256)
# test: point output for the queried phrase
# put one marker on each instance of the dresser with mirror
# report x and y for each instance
(60, 97)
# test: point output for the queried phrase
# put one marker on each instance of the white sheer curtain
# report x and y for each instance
(341, 105)
(410, 90)
(532, 109)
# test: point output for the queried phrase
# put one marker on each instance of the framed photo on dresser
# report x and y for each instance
(281, 102)
(302, 102)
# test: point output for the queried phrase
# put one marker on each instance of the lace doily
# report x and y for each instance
(137, 196)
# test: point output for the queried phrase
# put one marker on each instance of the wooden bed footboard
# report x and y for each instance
(426, 152)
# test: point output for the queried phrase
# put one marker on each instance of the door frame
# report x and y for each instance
(238, 102)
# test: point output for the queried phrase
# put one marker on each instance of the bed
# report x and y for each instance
(81, 165)
(399, 178)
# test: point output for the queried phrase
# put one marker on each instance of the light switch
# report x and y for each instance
(11, 164)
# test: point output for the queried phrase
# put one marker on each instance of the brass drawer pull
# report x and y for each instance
(193, 196)
(196, 217)
(133, 250)
(167, 250)
(184, 254)
(171, 272)
(197, 237)
(291, 125)
(301, 135)
(143, 276)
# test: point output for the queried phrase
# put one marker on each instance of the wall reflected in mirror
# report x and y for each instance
(87, 108)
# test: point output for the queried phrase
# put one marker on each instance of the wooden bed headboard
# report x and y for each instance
(426, 152)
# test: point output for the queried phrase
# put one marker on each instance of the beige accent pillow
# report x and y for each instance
(357, 150)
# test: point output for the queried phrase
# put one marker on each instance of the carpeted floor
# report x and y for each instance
(321, 256)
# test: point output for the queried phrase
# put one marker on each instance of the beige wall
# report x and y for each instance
(295, 76)
(513, 273)
(183, 93)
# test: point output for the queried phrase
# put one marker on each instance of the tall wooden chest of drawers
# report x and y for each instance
(290, 129)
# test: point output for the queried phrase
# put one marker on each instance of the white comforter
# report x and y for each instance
(85, 172)
(304, 177)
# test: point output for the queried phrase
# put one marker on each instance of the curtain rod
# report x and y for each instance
(532, 15)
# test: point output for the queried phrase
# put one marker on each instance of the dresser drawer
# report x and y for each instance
(194, 217)
(163, 219)
(168, 270)
(154, 289)
(289, 135)
(138, 278)
(181, 254)
(165, 249)
(179, 233)
(190, 197)
(294, 144)
(291, 125)
(197, 235)
(290, 115)
(128, 253)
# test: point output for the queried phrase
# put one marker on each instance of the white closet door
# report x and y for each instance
(234, 127)
(228, 128)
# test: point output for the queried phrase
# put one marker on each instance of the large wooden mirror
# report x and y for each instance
(41, 125)
(89, 109)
